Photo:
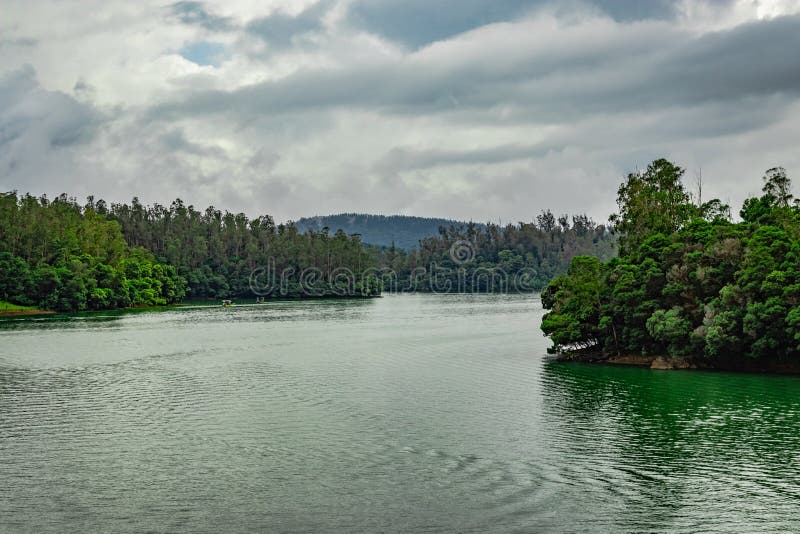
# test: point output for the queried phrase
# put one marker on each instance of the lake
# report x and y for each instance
(433, 413)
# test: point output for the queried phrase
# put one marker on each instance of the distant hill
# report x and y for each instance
(381, 230)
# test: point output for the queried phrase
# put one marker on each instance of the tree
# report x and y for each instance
(575, 301)
(671, 329)
(546, 221)
(62, 256)
(15, 279)
(702, 286)
(777, 186)
(650, 202)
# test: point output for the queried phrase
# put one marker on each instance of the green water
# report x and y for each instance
(436, 413)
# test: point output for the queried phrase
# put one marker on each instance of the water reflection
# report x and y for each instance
(322, 309)
(59, 321)
(680, 448)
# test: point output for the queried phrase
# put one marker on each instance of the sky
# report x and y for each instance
(476, 110)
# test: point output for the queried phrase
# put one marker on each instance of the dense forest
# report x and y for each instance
(401, 231)
(489, 258)
(442, 255)
(220, 252)
(688, 281)
(59, 255)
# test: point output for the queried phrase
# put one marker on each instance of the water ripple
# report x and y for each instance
(424, 413)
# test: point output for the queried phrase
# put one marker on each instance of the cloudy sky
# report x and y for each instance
(484, 110)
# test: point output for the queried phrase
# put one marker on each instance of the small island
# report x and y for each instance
(690, 287)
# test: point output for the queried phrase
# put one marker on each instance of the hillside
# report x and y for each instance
(382, 230)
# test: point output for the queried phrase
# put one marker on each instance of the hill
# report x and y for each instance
(404, 231)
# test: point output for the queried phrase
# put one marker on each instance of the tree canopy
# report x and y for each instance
(488, 258)
(688, 281)
(58, 256)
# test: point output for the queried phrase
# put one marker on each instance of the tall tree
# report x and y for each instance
(651, 202)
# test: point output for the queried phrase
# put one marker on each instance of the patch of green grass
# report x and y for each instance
(7, 306)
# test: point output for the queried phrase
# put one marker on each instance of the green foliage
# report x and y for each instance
(523, 257)
(650, 202)
(671, 329)
(218, 252)
(777, 187)
(689, 282)
(576, 302)
(8, 307)
(15, 279)
(59, 256)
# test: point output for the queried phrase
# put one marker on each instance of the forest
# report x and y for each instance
(60, 255)
(56, 255)
(218, 253)
(488, 258)
(688, 281)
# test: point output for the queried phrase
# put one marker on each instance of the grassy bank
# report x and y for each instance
(6, 308)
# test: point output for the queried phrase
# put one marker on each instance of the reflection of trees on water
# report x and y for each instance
(676, 411)
(670, 440)
(61, 322)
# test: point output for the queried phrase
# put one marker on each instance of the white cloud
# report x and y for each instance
(542, 108)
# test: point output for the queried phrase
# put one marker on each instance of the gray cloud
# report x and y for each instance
(756, 59)
(416, 23)
(42, 133)
(46, 118)
(753, 59)
(419, 22)
(402, 158)
(24, 42)
(475, 110)
(280, 29)
(190, 12)
(174, 140)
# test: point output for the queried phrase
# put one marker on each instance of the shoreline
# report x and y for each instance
(25, 313)
(189, 302)
(663, 362)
